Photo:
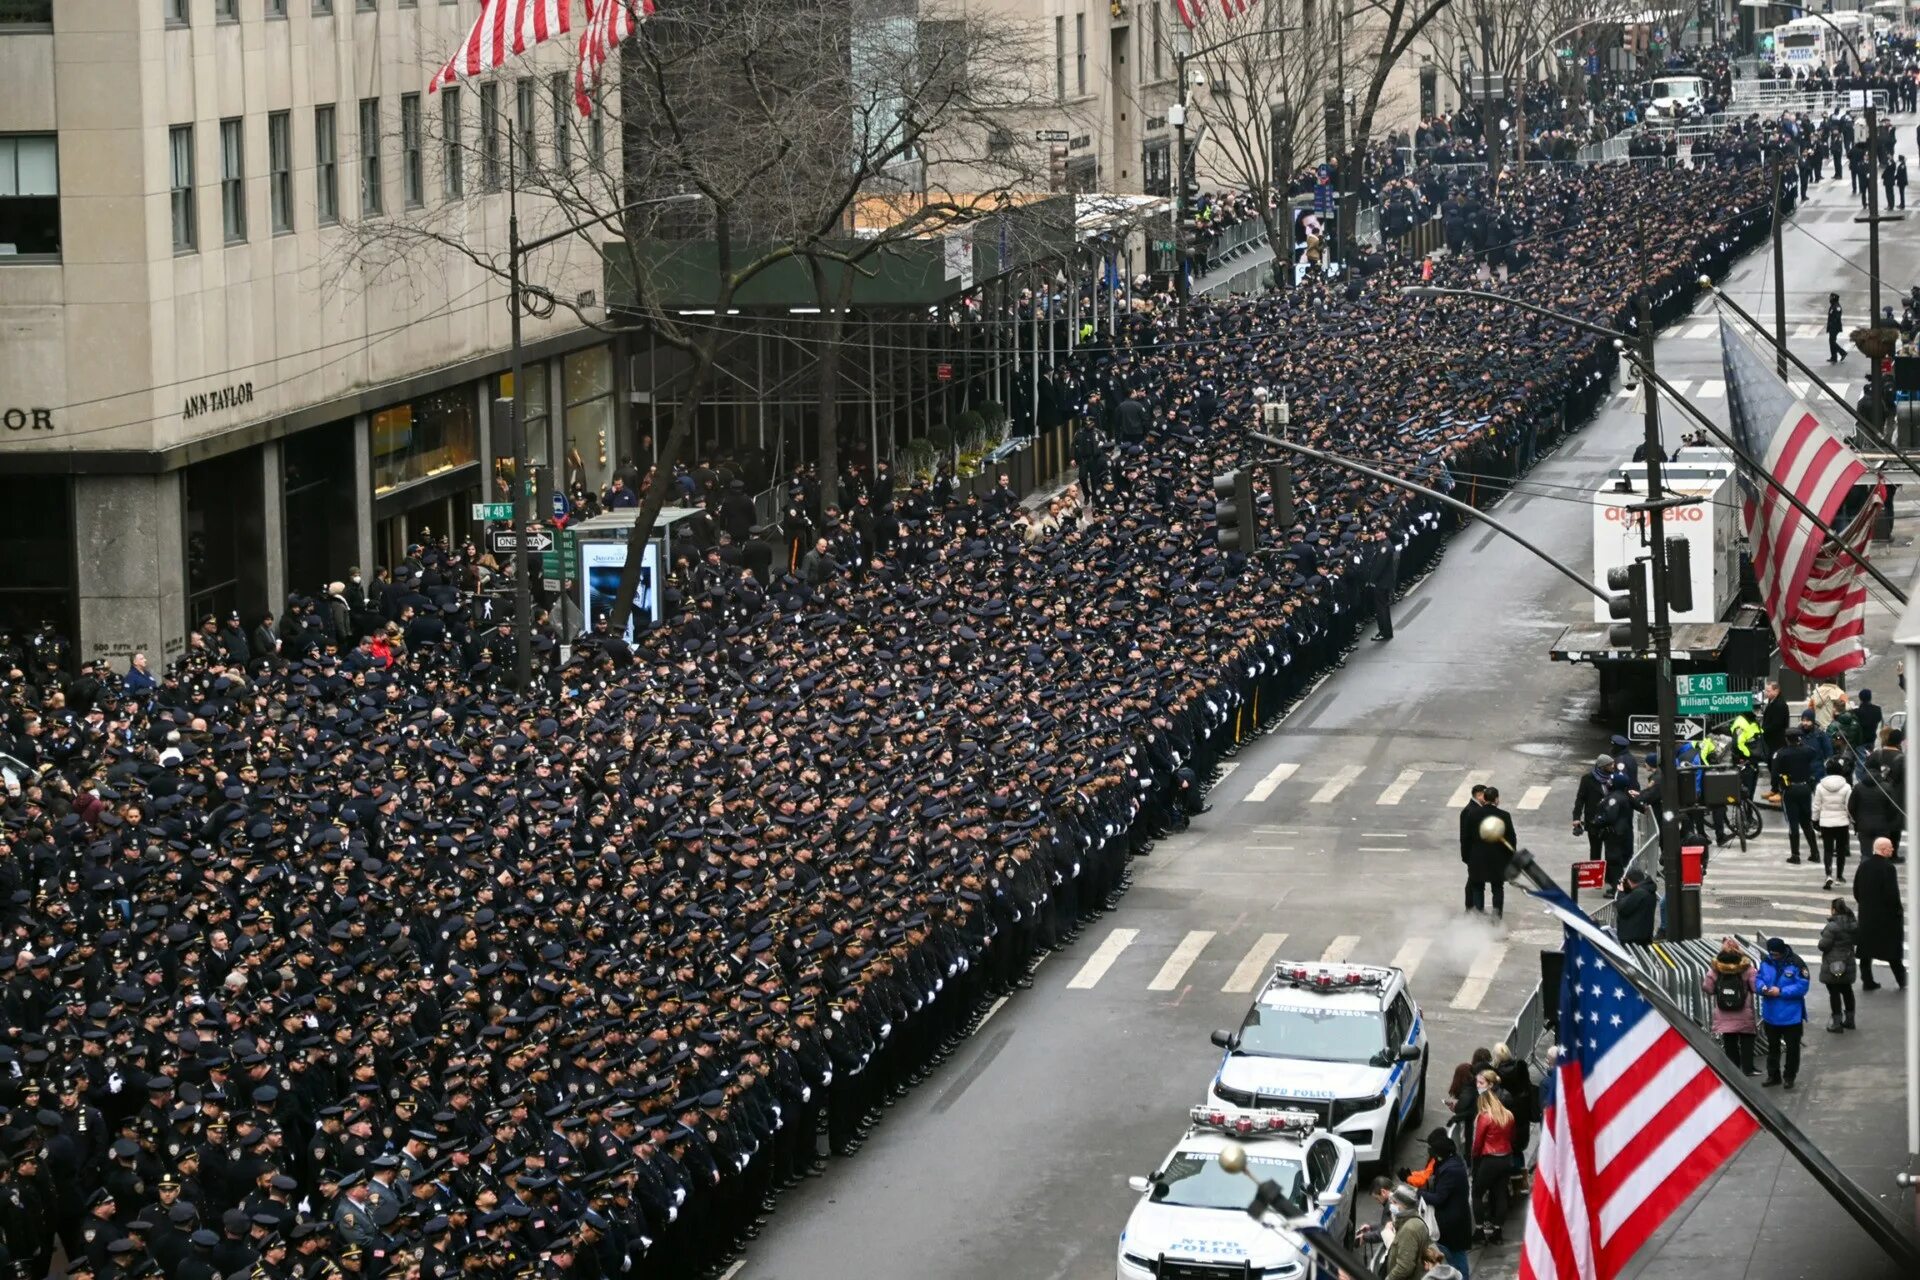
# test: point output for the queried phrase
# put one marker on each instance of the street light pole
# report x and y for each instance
(1683, 915)
(517, 250)
(1683, 911)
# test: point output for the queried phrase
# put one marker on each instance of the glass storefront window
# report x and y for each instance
(425, 438)
(538, 416)
(588, 382)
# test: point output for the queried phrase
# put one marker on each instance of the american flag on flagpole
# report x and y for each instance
(1814, 591)
(1193, 12)
(504, 29)
(608, 23)
(1635, 1120)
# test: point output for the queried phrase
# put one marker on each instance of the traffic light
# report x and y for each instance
(1679, 575)
(1280, 476)
(1336, 123)
(1629, 603)
(1056, 168)
(1236, 519)
(1191, 228)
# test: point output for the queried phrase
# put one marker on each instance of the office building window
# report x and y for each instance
(587, 381)
(176, 12)
(424, 438)
(371, 200)
(1080, 53)
(226, 10)
(453, 168)
(1159, 43)
(597, 136)
(35, 13)
(322, 8)
(490, 137)
(523, 102)
(233, 181)
(1060, 58)
(276, 8)
(412, 175)
(29, 195)
(366, 6)
(180, 161)
(561, 92)
(280, 171)
(326, 165)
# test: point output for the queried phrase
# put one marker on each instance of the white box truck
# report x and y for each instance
(1717, 632)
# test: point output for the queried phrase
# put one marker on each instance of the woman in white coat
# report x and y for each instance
(1830, 800)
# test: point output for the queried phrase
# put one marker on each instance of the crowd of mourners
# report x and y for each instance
(345, 957)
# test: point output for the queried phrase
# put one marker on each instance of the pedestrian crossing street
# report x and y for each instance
(1757, 892)
(1390, 787)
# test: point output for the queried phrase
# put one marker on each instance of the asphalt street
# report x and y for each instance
(1334, 835)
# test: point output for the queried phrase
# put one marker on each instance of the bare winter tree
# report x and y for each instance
(1263, 110)
(776, 117)
(1374, 35)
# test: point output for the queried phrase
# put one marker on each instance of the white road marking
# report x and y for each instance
(1102, 959)
(1265, 787)
(1713, 389)
(1340, 948)
(1382, 848)
(1181, 960)
(1340, 781)
(735, 1269)
(1397, 791)
(1226, 771)
(985, 1017)
(1464, 792)
(1534, 798)
(1479, 977)
(1410, 954)
(1253, 966)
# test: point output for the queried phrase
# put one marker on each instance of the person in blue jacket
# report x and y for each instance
(1782, 983)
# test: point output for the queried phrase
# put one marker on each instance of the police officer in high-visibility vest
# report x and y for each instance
(1746, 733)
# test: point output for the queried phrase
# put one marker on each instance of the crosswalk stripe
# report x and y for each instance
(1682, 385)
(1464, 792)
(1181, 960)
(1340, 948)
(1397, 790)
(1534, 798)
(1226, 770)
(1339, 782)
(1410, 954)
(1479, 977)
(1253, 966)
(1275, 776)
(1102, 959)
(1713, 389)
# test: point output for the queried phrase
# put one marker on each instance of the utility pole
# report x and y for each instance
(1178, 116)
(1779, 280)
(1683, 909)
(522, 474)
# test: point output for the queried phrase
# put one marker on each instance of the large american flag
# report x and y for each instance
(1815, 592)
(608, 23)
(504, 29)
(1193, 12)
(1635, 1120)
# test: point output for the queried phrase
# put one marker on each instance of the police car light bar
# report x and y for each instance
(1331, 977)
(1245, 1122)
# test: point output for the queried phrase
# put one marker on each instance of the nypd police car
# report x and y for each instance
(1344, 1043)
(1192, 1223)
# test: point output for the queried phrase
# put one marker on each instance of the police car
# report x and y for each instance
(1192, 1223)
(1344, 1043)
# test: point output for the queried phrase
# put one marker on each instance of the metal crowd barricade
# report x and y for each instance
(1231, 242)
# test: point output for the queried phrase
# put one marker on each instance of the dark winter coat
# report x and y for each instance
(1451, 1196)
(1876, 888)
(1636, 912)
(1837, 948)
(1487, 860)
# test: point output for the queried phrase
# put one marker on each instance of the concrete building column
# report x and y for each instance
(363, 493)
(273, 525)
(130, 567)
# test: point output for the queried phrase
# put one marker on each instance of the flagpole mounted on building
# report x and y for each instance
(1574, 1175)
